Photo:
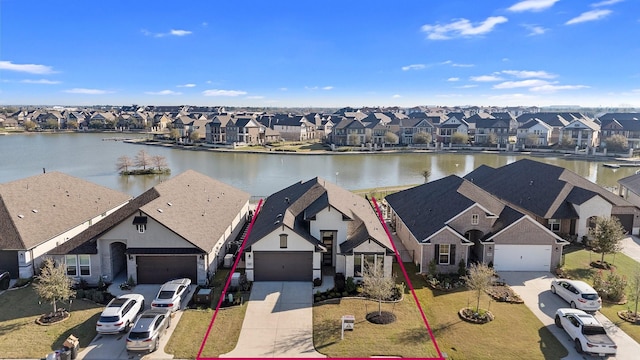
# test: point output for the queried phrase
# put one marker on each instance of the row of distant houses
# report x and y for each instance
(517, 218)
(351, 127)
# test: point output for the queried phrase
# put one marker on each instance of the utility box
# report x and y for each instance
(235, 280)
(228, 260)
(203, 296)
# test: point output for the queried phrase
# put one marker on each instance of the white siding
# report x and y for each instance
(596, 206)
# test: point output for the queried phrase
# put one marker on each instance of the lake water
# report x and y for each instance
(88, 157)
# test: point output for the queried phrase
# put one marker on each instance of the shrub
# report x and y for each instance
(80, 294)
(345, 294)
(432, 269)
(616, 285)
(462, 268)
(82, 284)
(339, 282)
(130, 281)
(350, 285)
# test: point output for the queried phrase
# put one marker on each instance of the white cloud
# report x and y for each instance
(535, 29)
(217, 92)
(396, 96)
(532, 5)
(187, 85)
(327, 88)
(283, 89)
(255, 97)
(311, 88)
(589, 16)
(413, 67)
(462, 28)
(163, 92)
(524, 74)
(41, 81)
(554, 88)
(453, 79)
(88, 91)
(172, 32)
(522, 83)
(468, 86)
(606, 3)
(28, 68)
(486, 78)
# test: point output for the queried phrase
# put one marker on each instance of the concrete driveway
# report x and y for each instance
(631, 247)
(113, 346)
(534, 289)
(278, 322)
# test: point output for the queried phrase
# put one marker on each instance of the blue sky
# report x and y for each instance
(320, 53)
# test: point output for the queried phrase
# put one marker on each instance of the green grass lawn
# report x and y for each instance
(577, 267)
(515, 333)
(21, 337)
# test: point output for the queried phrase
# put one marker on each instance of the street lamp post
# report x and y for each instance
(337, 177)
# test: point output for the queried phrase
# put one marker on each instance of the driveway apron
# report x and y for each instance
(534, 289)
(278, 322)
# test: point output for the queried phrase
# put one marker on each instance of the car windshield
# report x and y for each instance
(165, 295)
(138, 335)
(593, 330)
(590, 296)
(108, 319)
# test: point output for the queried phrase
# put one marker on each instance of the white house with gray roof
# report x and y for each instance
(41, 212)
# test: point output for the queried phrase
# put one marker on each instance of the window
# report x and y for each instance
(72, 265)
(141, 228)
(357, 265)
(475, 219)
(443, 254)
(554, 225)
(361, 260)
(85, 265)
(283, 241)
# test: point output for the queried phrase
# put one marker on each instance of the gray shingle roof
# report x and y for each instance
(632, 183)
(38, 208)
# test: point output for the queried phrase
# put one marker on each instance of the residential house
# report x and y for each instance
(216, 130)
(625, 124)
(41, 212)
(582, 132)
(494, 130)
(351, 132)
(410, 127)
(454, 124)
(557, 198)
(314, 224)
(179, 228)
(557, 120)
(451, 221)
(245, 130)
(293, 127)
(629, 189)
(534, 132)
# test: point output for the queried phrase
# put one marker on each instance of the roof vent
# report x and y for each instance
(159, 210)
(170, 204)
(278, 216)
(35, 211)
(21, 216)
(286, 200)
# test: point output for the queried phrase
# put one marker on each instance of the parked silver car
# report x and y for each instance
(148, 330)
(578, 294)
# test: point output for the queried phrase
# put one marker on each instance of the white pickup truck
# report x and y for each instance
(588, 335)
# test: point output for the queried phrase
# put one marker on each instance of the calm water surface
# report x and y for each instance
(88, 157)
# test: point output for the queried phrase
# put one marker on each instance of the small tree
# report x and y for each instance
(426, 174)
(422, 138)
(354, 139)
(29, 125)
(606, 236)
(459, 138)
(634, 287)
(617, 143)
(479, 280)
(566, 141)
(194, 136)
(174, 134)
(53, 284)
(375, 285)
(492, 139)
(143, 159)
(390, 138)
(72, 124)
(159, 162)
(124, 163)
(531, 139)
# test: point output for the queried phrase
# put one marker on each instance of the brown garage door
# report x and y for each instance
(160, 269)
(626, 220)
(9, 262)
(283, 266)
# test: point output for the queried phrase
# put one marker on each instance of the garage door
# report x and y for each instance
(9, 262)
(522, 257)
(626, 220)
(160, 269)
(283, 266)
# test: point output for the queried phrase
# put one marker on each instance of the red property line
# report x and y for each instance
(226, 286)
(406, 276)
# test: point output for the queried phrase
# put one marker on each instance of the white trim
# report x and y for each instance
(558, 238)
(469, 208)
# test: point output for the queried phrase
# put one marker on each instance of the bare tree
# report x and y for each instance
(124, 163)
(159, 162)
(426, 174)
(479, 279)
(375, 285)
(606, 235)
(390, 138)
(143, 159)
(53, 284)
(422, 138)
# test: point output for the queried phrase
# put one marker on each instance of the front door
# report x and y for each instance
(328, 239)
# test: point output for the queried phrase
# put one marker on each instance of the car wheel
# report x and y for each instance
(573, 305)
(578, 347)
(126, 326)
(558, 322)
(155, 344)
(142, 306)
(553, 289)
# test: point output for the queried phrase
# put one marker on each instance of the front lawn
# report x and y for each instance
(21, 337)
(514, 334)
(577, 266)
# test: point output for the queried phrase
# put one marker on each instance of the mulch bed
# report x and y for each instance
(504, 293)
(629, 316)
(602, 265)
(53, 318)
(381, 318)
(470, 315)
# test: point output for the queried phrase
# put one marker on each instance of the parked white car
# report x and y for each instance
(577, 293)
(586, 332)
(120, 313)
(170, 294)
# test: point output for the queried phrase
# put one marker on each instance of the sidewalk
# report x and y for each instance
(631, 247)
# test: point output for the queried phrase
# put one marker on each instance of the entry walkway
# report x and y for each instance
(278, 322)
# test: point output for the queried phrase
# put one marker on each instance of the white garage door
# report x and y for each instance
(522, 257)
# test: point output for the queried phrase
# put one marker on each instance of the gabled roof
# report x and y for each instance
(41, 207)
(620, 116)
(632, 183)
(297, 204)
(192, 205)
